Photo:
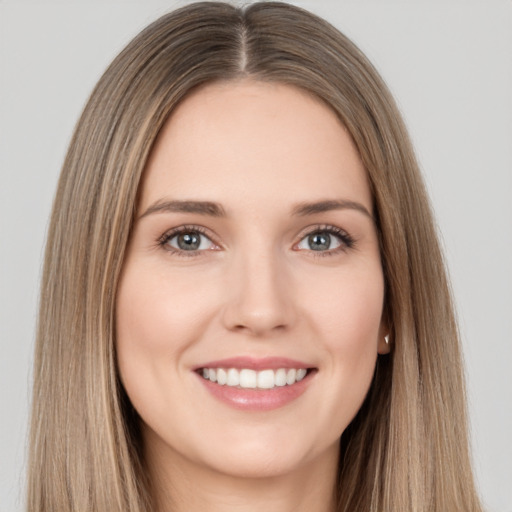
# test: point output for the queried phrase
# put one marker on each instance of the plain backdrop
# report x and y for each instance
(449, 64)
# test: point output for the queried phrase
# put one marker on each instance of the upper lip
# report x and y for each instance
(252, 363)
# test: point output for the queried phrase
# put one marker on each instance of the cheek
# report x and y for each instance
(347, 316)
(157, 318)
(357, 324)
(156, 313)
(347, 309)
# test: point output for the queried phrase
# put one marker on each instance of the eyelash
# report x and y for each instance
(169, 235)
(346, 241)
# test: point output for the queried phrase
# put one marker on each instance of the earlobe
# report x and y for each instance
(384, 346)
(385, 333)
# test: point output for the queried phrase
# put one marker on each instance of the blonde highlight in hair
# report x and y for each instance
(407, 448)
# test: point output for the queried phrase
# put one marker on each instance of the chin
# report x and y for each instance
(263, 465)
(266, 457)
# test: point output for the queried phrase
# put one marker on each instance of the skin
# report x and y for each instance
(254, 288)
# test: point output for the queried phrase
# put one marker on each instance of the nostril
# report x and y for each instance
(258, 328)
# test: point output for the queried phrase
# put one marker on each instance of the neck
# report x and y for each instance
(180, 485)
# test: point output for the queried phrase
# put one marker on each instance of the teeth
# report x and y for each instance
(266, 379)
(301, 373)
(233, 377)
(248, 379)
(290, 376)
(252, 379)
(222, 376)
(280, 378)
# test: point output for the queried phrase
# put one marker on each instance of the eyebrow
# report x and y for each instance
(303, 209)
(213, 209)
(199, 207)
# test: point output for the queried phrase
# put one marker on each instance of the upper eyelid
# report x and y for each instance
(322, 227)
(170, 233)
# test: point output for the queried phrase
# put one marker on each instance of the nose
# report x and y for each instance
(260, 296)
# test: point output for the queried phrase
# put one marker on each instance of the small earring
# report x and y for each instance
(386, 339)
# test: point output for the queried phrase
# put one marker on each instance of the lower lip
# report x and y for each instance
(258, 399)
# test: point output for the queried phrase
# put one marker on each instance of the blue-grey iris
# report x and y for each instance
(319, 241)
(189, 241)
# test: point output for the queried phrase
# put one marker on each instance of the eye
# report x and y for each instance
(187, 240)
(319, 241)
(326, 240)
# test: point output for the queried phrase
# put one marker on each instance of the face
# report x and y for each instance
(250, 305)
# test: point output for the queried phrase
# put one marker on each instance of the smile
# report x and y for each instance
(256, 384)
(247, 378)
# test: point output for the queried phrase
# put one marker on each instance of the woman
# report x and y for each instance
(237, 310)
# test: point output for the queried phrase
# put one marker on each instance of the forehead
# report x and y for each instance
(248, 143)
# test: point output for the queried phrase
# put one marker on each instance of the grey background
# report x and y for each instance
(449, 63)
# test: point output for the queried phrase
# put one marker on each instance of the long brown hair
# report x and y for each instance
(407, 449)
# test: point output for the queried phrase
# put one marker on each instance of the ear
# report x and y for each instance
(384, 343)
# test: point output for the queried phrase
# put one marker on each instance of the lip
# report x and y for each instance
(252, 363)
(257, 399)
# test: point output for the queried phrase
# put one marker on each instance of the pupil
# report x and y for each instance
(319, 241)
(189, 241)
